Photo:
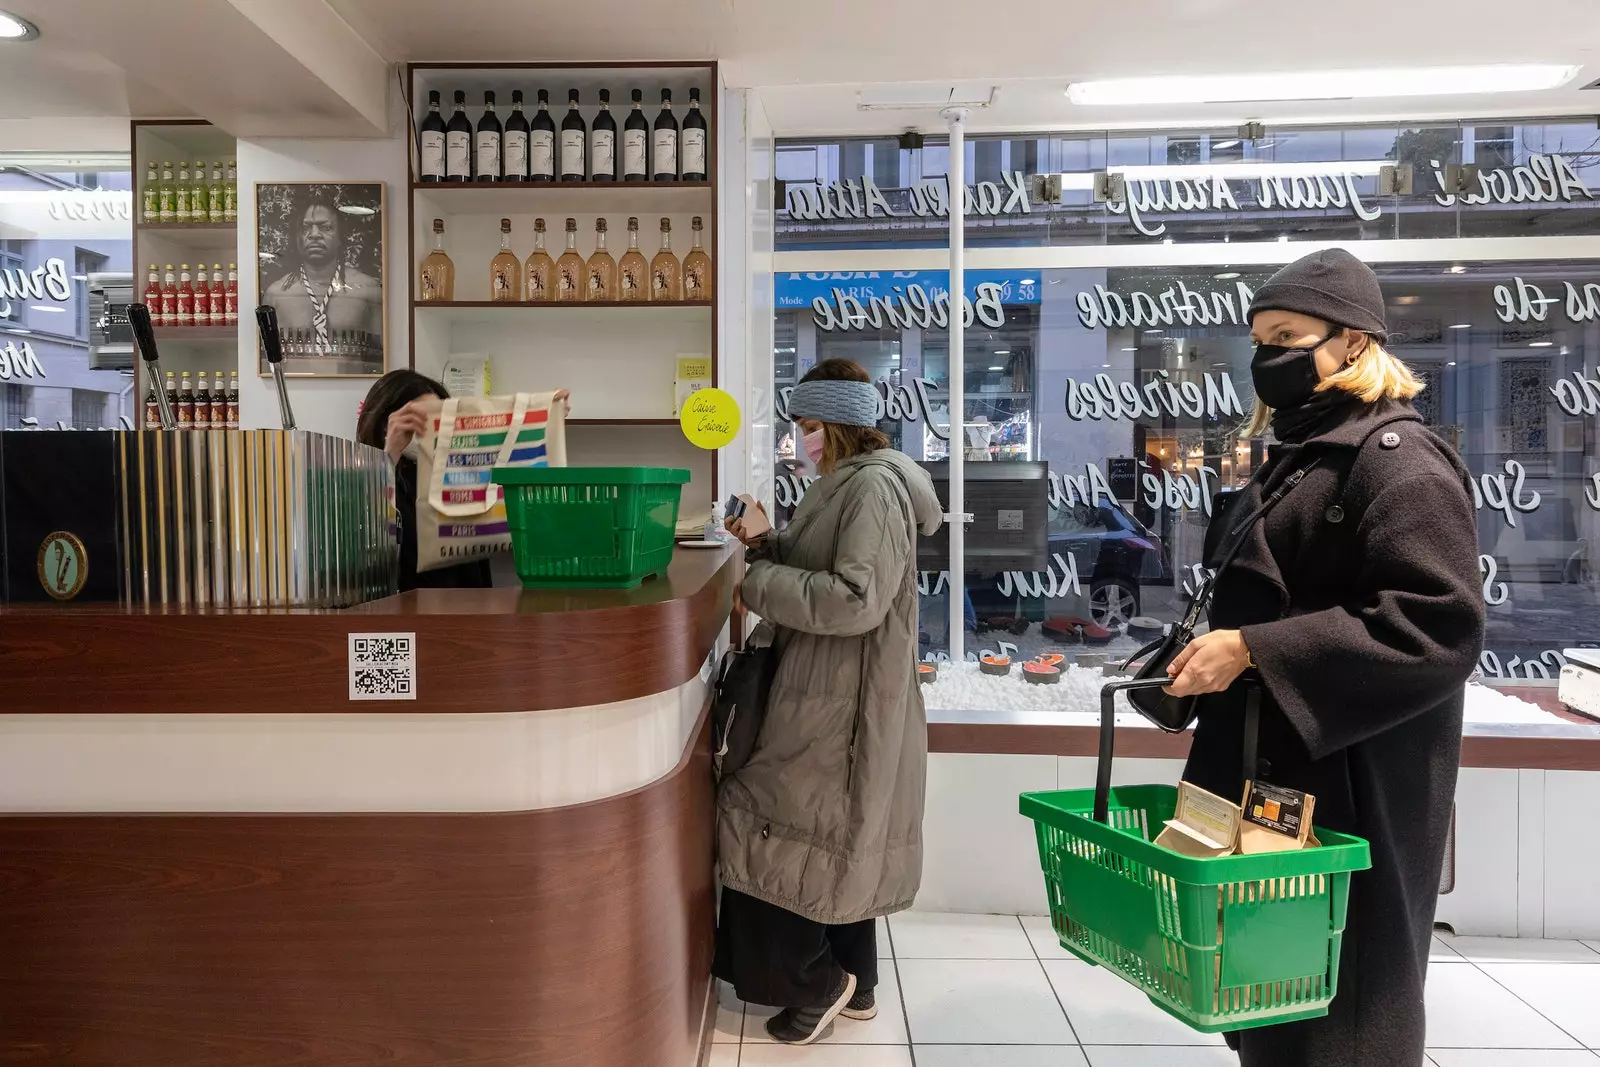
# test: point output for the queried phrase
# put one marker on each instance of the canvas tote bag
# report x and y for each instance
(461, 515)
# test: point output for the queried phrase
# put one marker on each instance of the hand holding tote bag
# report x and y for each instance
(461, 514)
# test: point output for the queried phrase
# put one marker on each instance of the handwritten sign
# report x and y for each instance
(710, 418)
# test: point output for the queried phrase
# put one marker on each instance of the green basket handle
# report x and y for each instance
(1108, 735)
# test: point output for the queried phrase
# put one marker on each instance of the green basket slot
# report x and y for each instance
(1222, 944)
(591, 527)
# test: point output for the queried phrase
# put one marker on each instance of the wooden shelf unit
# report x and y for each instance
(588, 347)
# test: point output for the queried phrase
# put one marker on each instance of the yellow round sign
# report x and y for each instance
(710, 418)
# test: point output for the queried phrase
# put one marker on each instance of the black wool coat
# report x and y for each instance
(1359, 598)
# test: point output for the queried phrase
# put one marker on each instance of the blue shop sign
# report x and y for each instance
(798, 290)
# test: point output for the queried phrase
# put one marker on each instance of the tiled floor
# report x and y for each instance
(999, 991)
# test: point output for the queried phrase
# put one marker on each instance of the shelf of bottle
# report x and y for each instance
(572, 305)
(197, 333)
(551, 198)
(673, 423)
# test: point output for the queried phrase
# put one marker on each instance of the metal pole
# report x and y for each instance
(956, 117)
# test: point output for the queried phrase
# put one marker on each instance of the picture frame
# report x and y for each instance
(320, 262)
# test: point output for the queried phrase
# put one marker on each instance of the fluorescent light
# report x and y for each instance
(1226, 276)
(1450, 363)
(1024, 281)
(1461, 326)
(13, 28)
(356, 209)
(1154, 330)
(1251, 169)
(52, 309)
(1540, 344)
(1103, 366)
(1224, 144)
(1002, 351)
(1321, 85)
(997, 368)
(1130, 350)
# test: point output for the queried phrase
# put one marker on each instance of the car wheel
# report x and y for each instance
(1113, 603)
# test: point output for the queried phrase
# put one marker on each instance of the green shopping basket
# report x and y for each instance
(1223, 944)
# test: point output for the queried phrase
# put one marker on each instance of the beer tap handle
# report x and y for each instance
(267, 321)
(144, 335)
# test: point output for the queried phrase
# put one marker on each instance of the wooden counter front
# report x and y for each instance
(478, 650)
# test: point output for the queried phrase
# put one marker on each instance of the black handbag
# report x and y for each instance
(1175, 714)
(739, 704)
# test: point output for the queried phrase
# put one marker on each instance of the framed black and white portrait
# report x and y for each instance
(320, 265)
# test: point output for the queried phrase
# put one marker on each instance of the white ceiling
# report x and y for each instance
(314, 67)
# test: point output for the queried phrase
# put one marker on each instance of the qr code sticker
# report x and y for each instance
(383, 666)
(381, 683)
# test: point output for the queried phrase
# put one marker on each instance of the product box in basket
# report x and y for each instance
(1204, 825)
(461, 513)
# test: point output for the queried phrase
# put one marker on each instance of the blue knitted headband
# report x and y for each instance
(841, 403)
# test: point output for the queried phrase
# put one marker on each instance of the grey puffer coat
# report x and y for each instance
(825, 819)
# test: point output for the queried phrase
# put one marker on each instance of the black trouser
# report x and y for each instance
(773, 956)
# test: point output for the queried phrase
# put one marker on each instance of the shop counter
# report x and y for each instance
(211, 853)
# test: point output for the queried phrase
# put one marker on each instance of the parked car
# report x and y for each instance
(1113, 555)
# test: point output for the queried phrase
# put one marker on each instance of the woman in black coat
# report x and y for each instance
(1356, 604)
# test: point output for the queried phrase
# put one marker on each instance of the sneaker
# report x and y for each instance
(801, 1026)
(862, 1006)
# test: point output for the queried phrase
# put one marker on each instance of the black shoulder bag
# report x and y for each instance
(1170, 713)
(739, 703)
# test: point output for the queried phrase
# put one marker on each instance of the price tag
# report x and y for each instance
(710, 418)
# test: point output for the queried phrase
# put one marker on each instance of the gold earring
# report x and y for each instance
(1350, 360)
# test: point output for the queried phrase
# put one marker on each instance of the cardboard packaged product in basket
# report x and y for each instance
(1275, 819)
(1204, 825)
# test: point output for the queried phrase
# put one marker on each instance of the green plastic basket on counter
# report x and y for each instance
(591, 527)
(1226, 943)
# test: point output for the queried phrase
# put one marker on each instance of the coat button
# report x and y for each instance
(766, 831)
(1389, 440)
(1336, 514)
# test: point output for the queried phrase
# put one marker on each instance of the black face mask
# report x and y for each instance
(1287, 377)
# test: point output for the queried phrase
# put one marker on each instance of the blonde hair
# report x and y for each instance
(1374, 374)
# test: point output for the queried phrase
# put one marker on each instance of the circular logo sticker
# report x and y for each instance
(710, 418)
(63, 565)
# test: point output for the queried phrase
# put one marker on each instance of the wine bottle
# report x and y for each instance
(573, 141)
(633, 273)
(603, 143)
(489, 132)
(666, 274)
(505, 270)
(183, 189)
(602, 271)
(430, 140)
(636, 142)
(664, 145)
(202, 404)
(570, 268)
(539, 271)
(152, 195)
(202, 296)
(542, 143)
(514, 150)
(438, 281)
(694, 141)
(697, 269)
(458, 143)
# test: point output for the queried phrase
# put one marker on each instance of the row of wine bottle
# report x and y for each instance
(196, 409)
(572, 279)
(524, 149)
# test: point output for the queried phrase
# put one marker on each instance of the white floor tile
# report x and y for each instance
(1441, 952)
(1000, 1056)
(982, 1002)
(921, 935)
(1043, 936)
(1564, 993)
(1106, 1010)
(825, 1056)
(1520, 950)
(730, 1016)
(885, 944)
(1468, 1009)
(724, 1056)
(1498, 1057)
(889, 1028)
(1159, 1056)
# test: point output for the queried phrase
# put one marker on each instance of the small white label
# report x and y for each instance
(666, 153)
(694, 151)
(516, 154)
(458, 155)
(634, 148)
(572, 152)
(489, 153)
(433, 153)
(542, 154)
(1011, 520)
(383, 666)
(603, 153)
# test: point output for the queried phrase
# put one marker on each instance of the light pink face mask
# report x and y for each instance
(814, 443)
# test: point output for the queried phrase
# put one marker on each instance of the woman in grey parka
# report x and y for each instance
(820, 832)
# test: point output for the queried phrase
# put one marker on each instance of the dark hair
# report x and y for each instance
(840, 443)
(388, 395)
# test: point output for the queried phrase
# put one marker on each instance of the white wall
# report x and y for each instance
(325, 405)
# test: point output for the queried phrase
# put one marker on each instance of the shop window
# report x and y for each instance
(88, 409)
(13, 406)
